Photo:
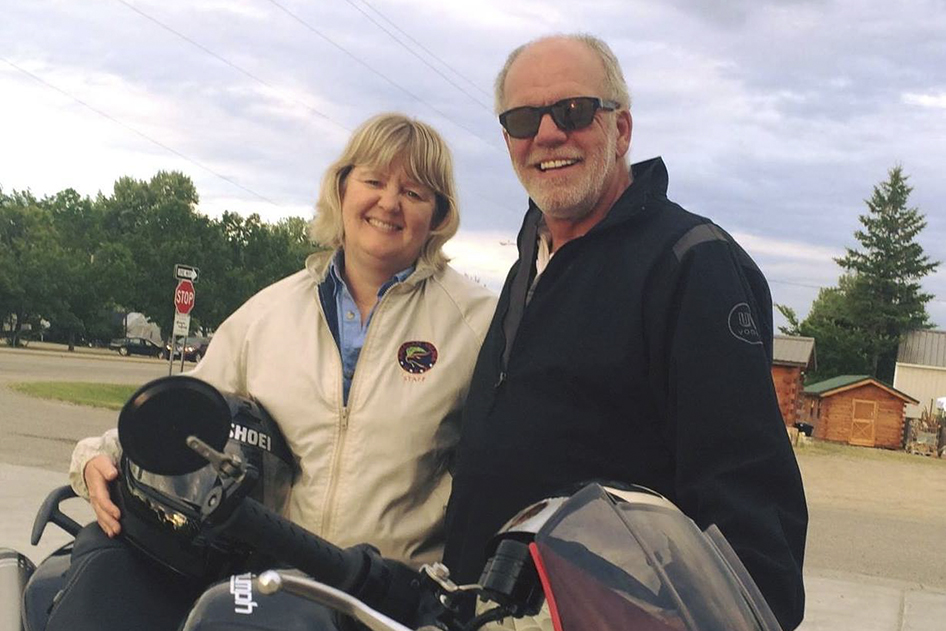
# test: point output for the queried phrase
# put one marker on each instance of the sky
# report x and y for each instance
(775, 118)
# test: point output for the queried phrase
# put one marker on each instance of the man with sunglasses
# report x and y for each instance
(632, 340)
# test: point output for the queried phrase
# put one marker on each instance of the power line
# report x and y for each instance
(425, 62)
(427, 50)
(378, 73)
(229, 63)
(810, 286)
(794, 283)
(140, 133)
(252, 76)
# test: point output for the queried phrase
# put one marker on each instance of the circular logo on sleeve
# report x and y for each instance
(417, 357)
(742, 324)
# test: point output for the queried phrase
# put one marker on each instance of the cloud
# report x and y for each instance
(775, 118)
(242, 8)
(215, 206)
(784, 249)
(483, 255)
(937, 100)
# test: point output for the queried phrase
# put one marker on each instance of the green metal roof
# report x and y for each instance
(834, 383)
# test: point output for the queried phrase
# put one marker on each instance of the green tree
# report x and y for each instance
(249, 254)
(74, 261)
(156, 222)
(31, 263)
(884, 297)
(84, 291)
(858, 324)
(840, 342)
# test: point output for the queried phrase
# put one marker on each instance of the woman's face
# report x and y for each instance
(386, 217)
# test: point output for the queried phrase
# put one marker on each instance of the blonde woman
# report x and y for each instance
(363, 359)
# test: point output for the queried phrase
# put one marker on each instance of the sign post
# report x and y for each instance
(184, 298)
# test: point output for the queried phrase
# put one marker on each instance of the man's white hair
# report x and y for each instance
(615, 86)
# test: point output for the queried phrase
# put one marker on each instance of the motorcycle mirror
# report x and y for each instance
(155, 422)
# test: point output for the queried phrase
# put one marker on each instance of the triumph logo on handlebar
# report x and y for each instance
(241, 586)
(250, 437)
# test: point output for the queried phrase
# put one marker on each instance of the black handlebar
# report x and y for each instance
(254, 524)
(388, 586)
(50, 512)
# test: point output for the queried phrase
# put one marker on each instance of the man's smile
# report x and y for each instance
(549, 165)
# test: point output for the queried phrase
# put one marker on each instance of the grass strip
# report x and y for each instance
(100, 395)
(816, 448)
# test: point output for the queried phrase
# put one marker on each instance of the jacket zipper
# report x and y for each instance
(503, 359)
(329, 509)
(343, 421)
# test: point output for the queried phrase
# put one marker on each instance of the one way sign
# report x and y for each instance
(185, 272)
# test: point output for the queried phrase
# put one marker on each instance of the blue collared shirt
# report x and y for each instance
(344, 318)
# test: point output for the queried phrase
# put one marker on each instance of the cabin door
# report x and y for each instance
(863, 423)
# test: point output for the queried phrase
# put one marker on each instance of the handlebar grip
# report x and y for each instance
(275, 535)
(50, 512)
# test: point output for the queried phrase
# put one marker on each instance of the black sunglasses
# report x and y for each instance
(568, 114)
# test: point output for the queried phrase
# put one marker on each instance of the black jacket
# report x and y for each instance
(643, 356)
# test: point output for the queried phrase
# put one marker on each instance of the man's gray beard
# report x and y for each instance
(577, 202)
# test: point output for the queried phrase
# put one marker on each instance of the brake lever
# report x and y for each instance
(234, 474)
(272, 581)
(228, 465)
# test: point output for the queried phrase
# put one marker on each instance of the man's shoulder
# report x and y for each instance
(664, 224)
(665, 214)
(676, 216)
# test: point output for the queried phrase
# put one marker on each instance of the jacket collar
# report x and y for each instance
(319, 263)
(649, 179)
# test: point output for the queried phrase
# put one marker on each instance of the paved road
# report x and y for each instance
(30, 365)
(39, 433)
(903, 548)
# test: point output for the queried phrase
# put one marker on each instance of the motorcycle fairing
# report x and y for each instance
(608, 563)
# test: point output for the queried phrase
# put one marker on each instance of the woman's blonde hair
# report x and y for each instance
(379, 143)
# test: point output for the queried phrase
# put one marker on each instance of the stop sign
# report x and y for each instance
(184, 297)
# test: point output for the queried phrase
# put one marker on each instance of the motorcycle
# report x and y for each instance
(601, 558)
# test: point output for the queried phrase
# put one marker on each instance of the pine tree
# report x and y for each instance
(884, 297)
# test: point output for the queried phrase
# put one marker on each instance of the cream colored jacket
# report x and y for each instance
(376, 470)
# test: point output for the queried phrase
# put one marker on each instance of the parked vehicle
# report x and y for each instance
(137, 346)
(194, 349)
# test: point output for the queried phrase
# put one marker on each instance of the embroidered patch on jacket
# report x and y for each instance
(417, 357)
(742, 325)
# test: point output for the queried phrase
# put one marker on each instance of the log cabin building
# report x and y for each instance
(859, 410)
(792, 357)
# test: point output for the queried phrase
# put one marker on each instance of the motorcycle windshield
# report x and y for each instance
(616, 565)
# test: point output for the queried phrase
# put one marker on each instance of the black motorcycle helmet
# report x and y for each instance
(161, 509)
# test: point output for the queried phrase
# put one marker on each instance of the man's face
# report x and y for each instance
(568, 174)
